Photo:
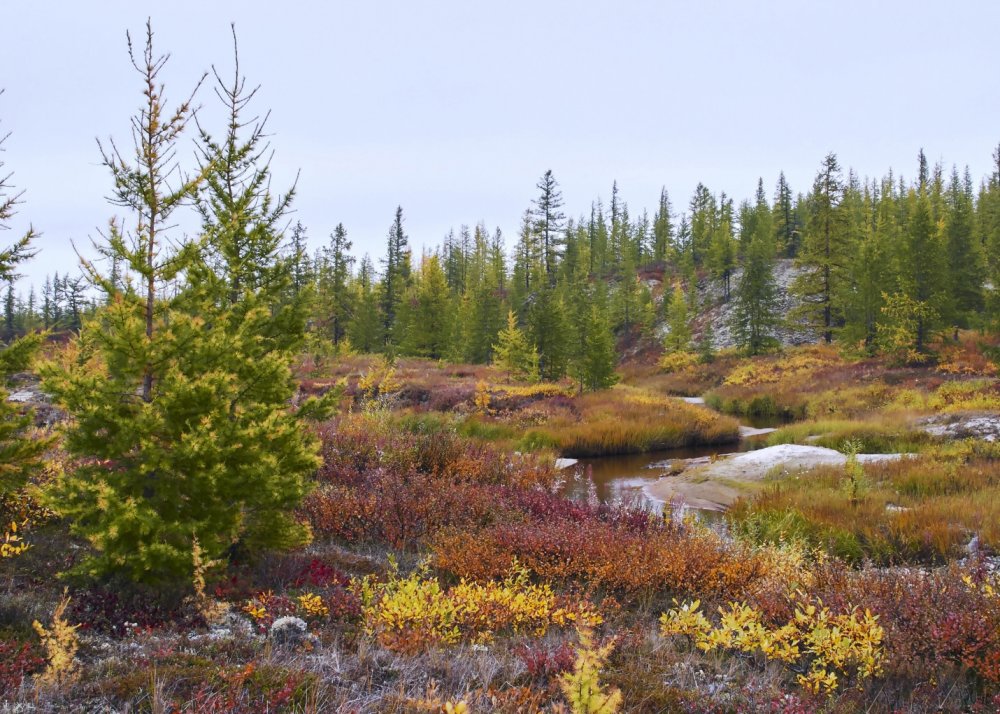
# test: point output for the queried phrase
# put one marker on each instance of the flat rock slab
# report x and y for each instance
(963, 425)
(716, 485)
(748, 431)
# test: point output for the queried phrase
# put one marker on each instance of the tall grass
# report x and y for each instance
(628, 420)
(922, 510)
(871, 437)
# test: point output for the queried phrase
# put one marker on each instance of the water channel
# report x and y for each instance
(623, 478)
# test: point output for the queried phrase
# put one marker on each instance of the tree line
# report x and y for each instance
(186, 439)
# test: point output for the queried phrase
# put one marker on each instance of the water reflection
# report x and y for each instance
(620, 479)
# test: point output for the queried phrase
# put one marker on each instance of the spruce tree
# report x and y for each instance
(755, 313)
(180, 426)
(425, 314)
(335, 301)
(872, 276)
(365, 329)
(594, 368)
(550, 330)
(921, 272)
(964, 257)
(786, 228)
(825, 254)
(396, 277)
(548, 223)
(302, 271)
(663, 230)
(722, 248)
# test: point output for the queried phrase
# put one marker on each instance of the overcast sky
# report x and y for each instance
(454, 109)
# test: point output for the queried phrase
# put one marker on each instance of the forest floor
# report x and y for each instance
(447, 573)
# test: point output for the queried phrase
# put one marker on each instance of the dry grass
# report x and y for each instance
(918, 510)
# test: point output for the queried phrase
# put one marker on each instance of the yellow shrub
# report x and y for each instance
(312, 605)
(60, 643)
(817, 640)
(677, 361)
(540, 390)
(770, 371)
(482, 398)
(582, 686)
(12, 544)
(412, 613)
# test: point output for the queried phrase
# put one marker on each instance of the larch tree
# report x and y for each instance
(365, 330)
(513, 354)
(594, 367)
(179, 398)
(678, 337)
(20, 454)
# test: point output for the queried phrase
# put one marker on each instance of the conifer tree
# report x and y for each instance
(786, 228)
(425, 314)
(366, 325)
(663, 230)
(871, 277)
(548, 223)
(722, 249)
(396, 277)
(703, 210)
(965, 265)
(335, 301)
(678, 337)
(513, 354)
(754, 314)
(550, 331)
(594, 368)
(20, 454)
(302, 272)
(825, 254)
(181, 424)
(921, 272)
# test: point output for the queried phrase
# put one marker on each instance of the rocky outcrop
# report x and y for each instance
(715, 484)
(714, 310)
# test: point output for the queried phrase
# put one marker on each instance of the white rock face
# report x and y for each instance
(715, 485)
(755, 465)
(719, 313)
(963, 426)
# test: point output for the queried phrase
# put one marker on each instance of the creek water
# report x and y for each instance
(622, 478)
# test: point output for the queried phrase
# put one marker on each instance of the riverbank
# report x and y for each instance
(718, 483)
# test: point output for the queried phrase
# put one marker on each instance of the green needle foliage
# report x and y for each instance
(180, 392)
(20, 454)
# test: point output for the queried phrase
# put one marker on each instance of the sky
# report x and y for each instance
(454, 109)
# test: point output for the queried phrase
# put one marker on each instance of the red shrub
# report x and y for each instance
(543, 662)
(17, 661)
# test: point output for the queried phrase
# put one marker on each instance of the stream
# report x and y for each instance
(623, 478)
